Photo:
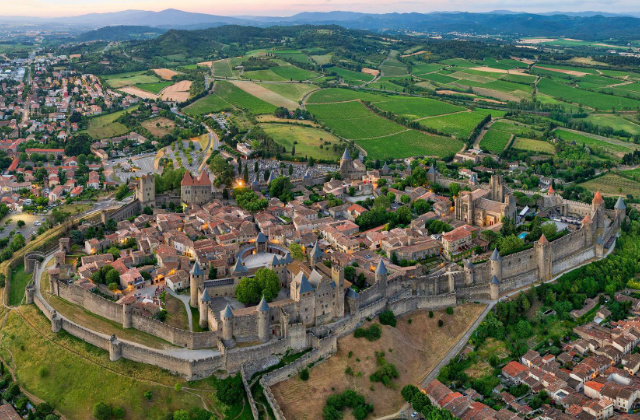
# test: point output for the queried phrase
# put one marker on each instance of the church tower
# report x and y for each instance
(337, 274)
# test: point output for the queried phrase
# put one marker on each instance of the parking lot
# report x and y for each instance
(32, 223)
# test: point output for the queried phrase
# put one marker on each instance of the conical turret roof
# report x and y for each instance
(346, 155)
(316, 252)
(196, 270)
(205, 296)
(262, 306)
(543, 240)
(227, 312)
(620, 204)
(381, 268)
(495, 256)
(597, 199)
(239, 268)
(494, 280)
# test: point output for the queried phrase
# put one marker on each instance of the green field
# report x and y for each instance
(340, 95)
(613, 184)
(351, 77)
(599, 101)
(633, 173)
(616, 122)
(154, 87)
(409, 143)
(309, 140)
(495, 140)
(421, 69)
(438, 78)
(352, 120)
(608, 146)
(415, 108)
(104, 126)
(290, 72)
(294, 55)
(226, 96)
(458, 125)
(222, 68)
(126, 79)
(44, 360)
(19, 280)
(292, 91)
(531, 145)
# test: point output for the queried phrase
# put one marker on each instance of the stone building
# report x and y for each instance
(351, 169)
(483, 207)
(146, 190)
(197, 190)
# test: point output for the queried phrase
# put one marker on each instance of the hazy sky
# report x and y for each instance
(51, 8)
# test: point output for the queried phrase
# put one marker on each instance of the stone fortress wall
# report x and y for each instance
(399, 293)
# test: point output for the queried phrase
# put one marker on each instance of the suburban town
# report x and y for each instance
(228, 229)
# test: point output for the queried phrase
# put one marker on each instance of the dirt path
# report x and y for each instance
(619, 84)
(442, 115)
(487, 126)
(303, 101)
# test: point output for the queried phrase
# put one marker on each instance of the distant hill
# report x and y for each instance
(581, 25)
(121, 33)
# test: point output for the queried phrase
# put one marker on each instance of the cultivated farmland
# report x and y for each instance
(227, 96)
(613, 185)
(532, 145)
(458, 125)
(495, 140)
(309, 140)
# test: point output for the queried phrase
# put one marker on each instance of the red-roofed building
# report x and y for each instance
(515, 371)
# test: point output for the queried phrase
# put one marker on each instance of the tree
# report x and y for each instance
(122, 192)
(181, 415)
(304, 374)
(101, 411)
(21, 223)
(265, 283)
(290, 169)
(118, 412)
(405, 198)
(296, 251)
(421, 206)
(213, 272)
(454, 189)
(388, 318)
(245, 176)
(408, 391)
(79, 144)
(147, 210)
(510, 244)
(230, 390)
(112, 277)
(222, 170)
(281, 188)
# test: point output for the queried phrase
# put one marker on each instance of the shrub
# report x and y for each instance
(118, 412)
(440, 323)
(408, 391)
(388, 318)
(101, 411)
(449, 310)
(372, 333)
(148, 395)
(177, 387)
(304, 374)
(230, 390)
(43, 372)
(336, 403)
(385, 373)
(430, 314)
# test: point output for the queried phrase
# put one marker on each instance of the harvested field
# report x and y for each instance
(536, 40)
(503, 96)
(132, 90)
(563, 71)
(372, 72)
(489, 69)
(178, 92)
(414, 348)
(266, 118)
(206, 63)
(265, 94)
(159, 126)
(165, 74)
(453, 92)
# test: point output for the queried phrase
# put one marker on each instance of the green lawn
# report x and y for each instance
(290, 72)
(19, 280)
(104, 126)
(73, 375)
(309, 140)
